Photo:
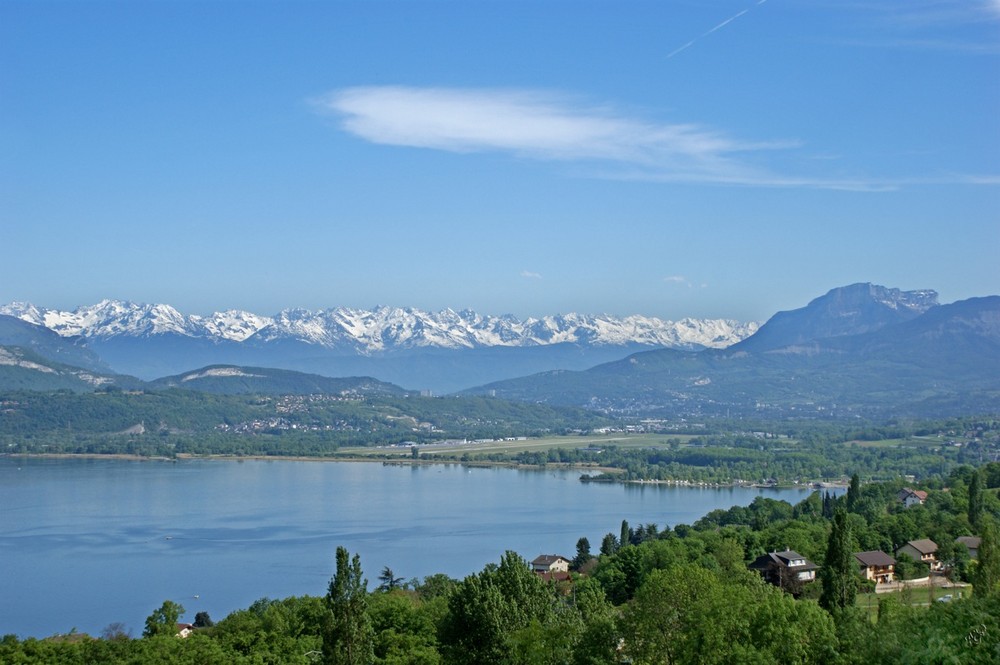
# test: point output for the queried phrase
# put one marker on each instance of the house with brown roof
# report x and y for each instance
(910, 497)
(550, 563)
(876, 566)
(921, 550)
(551, 567)
(788, 569)
(971, 543)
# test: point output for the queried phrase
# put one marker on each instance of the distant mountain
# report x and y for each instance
(24, 369)
(442, 351)
(70, 350)
(848, 310)
(942, 362)
(233, 380)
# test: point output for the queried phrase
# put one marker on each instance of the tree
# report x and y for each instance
(116, 631)
(163, 621)
(609, 544)
(388, 580)
(485, 611)
(975, 499)
(986, 574)
(347, 635)
(583, 554)
(626, 534)
(202, 620)
(853, 493)
(839, 572)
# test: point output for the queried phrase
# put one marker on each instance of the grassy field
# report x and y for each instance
(915, 596)
(527, 445)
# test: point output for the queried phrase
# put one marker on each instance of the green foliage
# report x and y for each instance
(986, 572)
(485, 610)
(839, 571)
(163, 620)
(347, 633)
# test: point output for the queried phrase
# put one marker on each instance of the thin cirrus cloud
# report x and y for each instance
(548, 126)
(528, 274)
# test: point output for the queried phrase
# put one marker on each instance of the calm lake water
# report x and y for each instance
(85, 543)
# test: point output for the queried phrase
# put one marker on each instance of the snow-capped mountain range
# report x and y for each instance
(380, 329)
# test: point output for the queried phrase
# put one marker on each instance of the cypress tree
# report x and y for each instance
(839, 572)
(975, 499)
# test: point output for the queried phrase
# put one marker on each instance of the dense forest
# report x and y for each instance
(651, 594)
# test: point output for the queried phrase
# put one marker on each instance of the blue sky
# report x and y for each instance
(707, 158)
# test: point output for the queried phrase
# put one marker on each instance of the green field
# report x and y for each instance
(528, 445)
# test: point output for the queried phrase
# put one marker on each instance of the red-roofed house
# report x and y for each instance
(910, 497)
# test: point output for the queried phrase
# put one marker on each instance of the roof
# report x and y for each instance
(907, 492)
(782, 559)
(972, 542)
(557, 576)
(924, 546)
(548, 559)
(874, 558)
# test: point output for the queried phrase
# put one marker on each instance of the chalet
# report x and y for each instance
(876, 566)
(787, 569)
(921, 550)
(971, 543)
(910, 497)
(550, 563)
(184, 630)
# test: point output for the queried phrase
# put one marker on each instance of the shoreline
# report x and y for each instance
(409, 461)
(186, 457)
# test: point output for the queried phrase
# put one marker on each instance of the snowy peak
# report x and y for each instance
(382, 328)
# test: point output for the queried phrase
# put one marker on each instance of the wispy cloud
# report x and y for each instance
(527, 274)
(966, 26)
(545, 126)
(548, 126)
(677, 279)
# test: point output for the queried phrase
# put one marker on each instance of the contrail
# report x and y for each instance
(708, 32)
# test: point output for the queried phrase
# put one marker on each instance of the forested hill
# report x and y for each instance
(176, 421)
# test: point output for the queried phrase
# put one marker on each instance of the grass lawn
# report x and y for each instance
(915, 597)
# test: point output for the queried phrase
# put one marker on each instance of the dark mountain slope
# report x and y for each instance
(943, 362)
(48, 344)
(848, 310)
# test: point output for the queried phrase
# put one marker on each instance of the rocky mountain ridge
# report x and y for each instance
(380, 329)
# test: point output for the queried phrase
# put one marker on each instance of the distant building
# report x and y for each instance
(788, 570)
(550, 563)
(971, 543)
(551, 567)
(921, 550)
(910, 497)
(876, 566)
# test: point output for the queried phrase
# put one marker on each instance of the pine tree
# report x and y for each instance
(583, 554)
(348, 634)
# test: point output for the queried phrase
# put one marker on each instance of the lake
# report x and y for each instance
(88, 542)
